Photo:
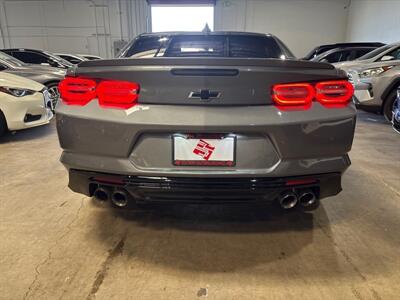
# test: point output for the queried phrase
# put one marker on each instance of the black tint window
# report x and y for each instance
(332, 58)
(249, 46)
(2, 67)
(395, 53)
(196, 46)
(30, 57)
(71, 59)
(147, 47)
(361, 52)
(208, 46)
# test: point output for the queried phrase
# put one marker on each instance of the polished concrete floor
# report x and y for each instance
(55, 244)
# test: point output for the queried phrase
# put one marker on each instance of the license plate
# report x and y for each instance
(204, 150)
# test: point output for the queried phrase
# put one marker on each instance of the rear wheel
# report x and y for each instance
(3, 124)
(388, 105)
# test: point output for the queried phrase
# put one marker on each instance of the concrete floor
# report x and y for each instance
(57, 244)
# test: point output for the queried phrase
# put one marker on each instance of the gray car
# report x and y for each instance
(376, 77)
(48, 76)
(204, 118)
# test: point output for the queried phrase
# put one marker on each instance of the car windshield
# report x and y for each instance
(59, 59)
(375, 52)
(11, 60)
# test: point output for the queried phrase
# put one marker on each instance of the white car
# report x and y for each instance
(24, 103)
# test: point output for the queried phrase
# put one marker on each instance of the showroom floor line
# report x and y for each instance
(56, 244)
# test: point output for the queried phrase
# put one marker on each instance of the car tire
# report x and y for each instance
(3, 124)
(54, 93)
(388, 105)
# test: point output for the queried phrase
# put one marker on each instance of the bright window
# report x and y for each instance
(181, 18)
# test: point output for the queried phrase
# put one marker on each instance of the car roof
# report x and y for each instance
(172, 33)
(23, 49)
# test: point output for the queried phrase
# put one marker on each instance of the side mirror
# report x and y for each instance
(387, 57)
(45, 64)
(324, 60)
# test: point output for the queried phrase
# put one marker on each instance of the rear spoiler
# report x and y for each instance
(208, 61)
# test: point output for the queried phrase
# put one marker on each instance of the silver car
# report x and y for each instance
(48, 76)
(204, 118)
(376, 77)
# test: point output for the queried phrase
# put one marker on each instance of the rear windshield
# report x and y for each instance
(207, 46)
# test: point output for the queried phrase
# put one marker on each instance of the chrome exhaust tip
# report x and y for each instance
(307, 198)
(288, 200)
(119, 198)
(101, 194)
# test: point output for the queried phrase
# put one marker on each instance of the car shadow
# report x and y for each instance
(28, 133)
(212, 238)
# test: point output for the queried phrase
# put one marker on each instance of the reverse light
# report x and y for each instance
(119, 94)
(293, 94)
(77, 91)
(334, 92)
(372, 72)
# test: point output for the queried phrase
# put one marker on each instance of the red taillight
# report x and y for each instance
(120, 94)
(110, 93)
(293, 94)
(77, 91)
(337, 92)
(334, 92)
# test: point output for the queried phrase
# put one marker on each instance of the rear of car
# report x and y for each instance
(221, 117)
(23, 103)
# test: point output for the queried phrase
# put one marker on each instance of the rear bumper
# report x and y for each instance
(205, 189)
(269, 142)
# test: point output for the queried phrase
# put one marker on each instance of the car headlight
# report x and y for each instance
(374, 71)
(16, 92)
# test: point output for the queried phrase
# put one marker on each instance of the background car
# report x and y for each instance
(342, 54)
(375, 79)
(24, 103)
(381, 54)
(72, 58)
(38, 57)
(323, 48)
(48, 76)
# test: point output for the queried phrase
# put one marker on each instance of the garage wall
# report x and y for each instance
(371, 20)
(75, 26)
(301, 24)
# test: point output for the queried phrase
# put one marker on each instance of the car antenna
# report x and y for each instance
(206, 29)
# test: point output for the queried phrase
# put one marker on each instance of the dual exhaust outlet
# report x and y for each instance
(118, 197)
(290, 199)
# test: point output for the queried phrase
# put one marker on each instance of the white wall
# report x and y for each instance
(372, 20)
(91, 26)
(74, 26)
(301, 24)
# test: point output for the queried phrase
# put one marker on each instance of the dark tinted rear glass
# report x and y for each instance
(189, 46)
(249, 46)
(207, 46)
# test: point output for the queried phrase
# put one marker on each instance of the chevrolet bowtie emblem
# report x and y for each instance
(204, 95)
